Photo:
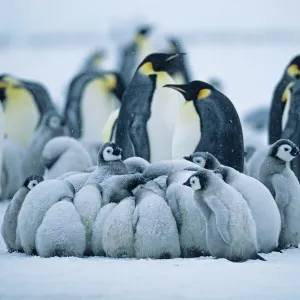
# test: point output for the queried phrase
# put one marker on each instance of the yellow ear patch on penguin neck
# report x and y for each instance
(204, 93)
(287, 92)
(147, 69)
(293, 70)
(3, 84)
(110, 81)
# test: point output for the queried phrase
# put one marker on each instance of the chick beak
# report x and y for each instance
(187, 183)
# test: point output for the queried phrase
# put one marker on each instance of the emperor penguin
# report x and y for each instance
(64, 154)
(155, 229)
(118, 232)
(230, 227)
(134, 52)
(261, 203)
(109, 163)
(10, 220)
(51, 126)
(36, 204)
(143, 129)
(277, 176)
(124, 183)
(91, 98)
(94, 61)
(25, 103)
(87, 202)
(136, 164)
(214, 123)
(1, 142)
(291, 129)
(61, 232)
(12, 172)
(97, 233)
(291, 72)
(190, 221)
(204, 159)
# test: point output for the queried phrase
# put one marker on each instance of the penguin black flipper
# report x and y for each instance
(258, 257)
(277, 250)
(139, 137)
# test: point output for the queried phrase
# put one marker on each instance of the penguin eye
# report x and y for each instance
(193, 181)
(109, 150)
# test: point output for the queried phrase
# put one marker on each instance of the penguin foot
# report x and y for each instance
(277, 250)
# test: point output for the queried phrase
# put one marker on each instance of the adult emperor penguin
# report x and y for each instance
(291, 129)
(208, 121)
(262, 205)
(25, 102)
(118, 233)
(276, 175)
(51, 126)
(88, 202)
(143, 128)
(155, 229)
(61, 232)
(64, 154)
(134, 52)
(35, 206)
(109, 163)
(91, 98)
(291, 72)
(10, 220)
(190, 221)
(230, 227)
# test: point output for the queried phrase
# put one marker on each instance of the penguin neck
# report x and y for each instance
(272, 165)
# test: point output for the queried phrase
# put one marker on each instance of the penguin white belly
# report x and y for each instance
(61, 232)
(187, 133)
(160, 127)
(1, 143)
(96, 106)
(285, 115)
(107, 135)
(20, 118)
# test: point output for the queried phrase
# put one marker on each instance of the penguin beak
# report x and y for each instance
(189, 158)
(181, 88)
(117, 151)
(175, 56)
(187, 183)
(295, 152)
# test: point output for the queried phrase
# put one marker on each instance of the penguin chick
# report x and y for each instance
(12, 175)
(109, 163)
(77, 180)
(168, 167)
(118, 235)
(190, 221)
(52, 125)
(255, 162)
(261, 203)
(162, 182)
(10, 220)
(118, 187)
(155, 230)
(61, 232)
(97, 234)
(87, 203)
(281, 181)
(230, 227)
(35, 206)
(204, 159)
(64, 154)
(136, 164)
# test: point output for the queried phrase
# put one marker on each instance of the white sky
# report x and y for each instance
(43, 15)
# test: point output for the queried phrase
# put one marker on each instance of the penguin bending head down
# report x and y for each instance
(208, 121)
(230, 227)
(204, 160)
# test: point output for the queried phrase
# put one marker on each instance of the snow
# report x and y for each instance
(24, 277)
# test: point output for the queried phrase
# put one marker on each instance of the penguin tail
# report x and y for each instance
(258, 257)
(277, 250)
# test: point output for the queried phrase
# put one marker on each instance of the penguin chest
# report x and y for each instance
(187, 131)
(285, 114)
(160, 127)
(96, 108)
(20, 118)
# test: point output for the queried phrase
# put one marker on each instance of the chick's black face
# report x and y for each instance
(198, 181)
(110, 152)
(32, 181)
(191, 90)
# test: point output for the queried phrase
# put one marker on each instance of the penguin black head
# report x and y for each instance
(32, 181)
(199, 181)
(193, 90)
(284, 150)
(144, 30)
(114, 83)
(4, 84)
(293, 69)
(158, 62)
(204, 159)
(110, 152)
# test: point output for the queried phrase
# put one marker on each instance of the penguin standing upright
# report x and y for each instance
(92, 97)
(208, 121)
(25, 103)
(291, 72)
(133, 53)
(147, 116)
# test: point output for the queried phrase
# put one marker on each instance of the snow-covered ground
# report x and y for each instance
(23, 277)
